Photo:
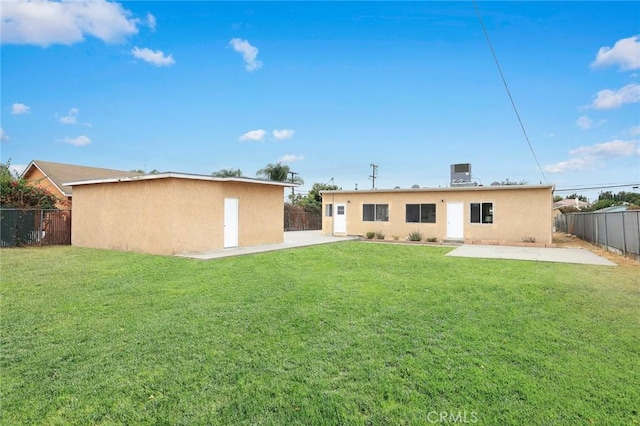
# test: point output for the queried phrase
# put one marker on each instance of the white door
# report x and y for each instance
(455, 220)
(340, 219)
(230, 222)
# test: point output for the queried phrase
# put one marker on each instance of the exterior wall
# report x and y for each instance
(517, 212)
(37, 178)
(168, 216)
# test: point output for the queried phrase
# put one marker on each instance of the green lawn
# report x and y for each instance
(347, 333)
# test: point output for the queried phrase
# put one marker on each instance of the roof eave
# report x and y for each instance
(174, 175)
(53, 182)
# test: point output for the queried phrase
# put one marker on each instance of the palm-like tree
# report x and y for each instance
(227, 173)
(279, 172)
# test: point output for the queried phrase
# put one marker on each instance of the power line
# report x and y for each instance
(634, 185)
(504, 81)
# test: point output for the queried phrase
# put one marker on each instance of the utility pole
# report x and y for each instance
(293, 188)
(372, 176)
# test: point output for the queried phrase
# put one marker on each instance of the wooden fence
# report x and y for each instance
(297, 218)
(34, 227)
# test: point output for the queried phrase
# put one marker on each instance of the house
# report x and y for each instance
(568, 203)
(171, 213)
(52, 177)
(489, 214)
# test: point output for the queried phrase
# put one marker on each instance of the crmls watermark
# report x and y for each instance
(452, 417)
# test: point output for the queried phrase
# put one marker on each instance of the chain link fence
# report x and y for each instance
(615, 231)
(34, 227)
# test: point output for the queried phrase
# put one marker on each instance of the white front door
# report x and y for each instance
(455, 220)
(230, 222)
(340, 219)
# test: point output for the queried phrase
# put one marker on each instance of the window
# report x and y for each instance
(421, 213)
(481, 212)
(340, 210)
(328, 210)
(375, 212)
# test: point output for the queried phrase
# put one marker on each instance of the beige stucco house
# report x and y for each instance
(171, 213)
(487, 214)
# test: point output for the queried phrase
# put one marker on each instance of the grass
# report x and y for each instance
(348, 333)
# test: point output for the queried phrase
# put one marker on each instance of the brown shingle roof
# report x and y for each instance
(60, 173)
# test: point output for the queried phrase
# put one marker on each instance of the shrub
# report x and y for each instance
(396, 237)
(414, 236)
(432, 239)
(370, 235)
(379, 235)
(528, 239)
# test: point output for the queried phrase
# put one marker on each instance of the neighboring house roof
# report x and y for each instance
(612, 209)
(59, 173)
(178, 176)
(570, 202)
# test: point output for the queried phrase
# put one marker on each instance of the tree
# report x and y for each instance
(557, 198)
(278, 172)
(16, 192)
(313, 200)
(574, 196)
(227, 173)
(601, 204)
(608, 199)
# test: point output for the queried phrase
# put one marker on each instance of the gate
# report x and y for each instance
(34, 227)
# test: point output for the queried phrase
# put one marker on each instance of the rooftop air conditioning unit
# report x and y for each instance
(461, 175)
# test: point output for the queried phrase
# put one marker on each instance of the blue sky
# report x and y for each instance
(328, 88)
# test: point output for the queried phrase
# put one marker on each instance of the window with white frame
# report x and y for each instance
(481, 212)
(420, 213)
(328, 210)
(375, 212)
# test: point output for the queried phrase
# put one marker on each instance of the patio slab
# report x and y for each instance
(292, 239)
(537, 254)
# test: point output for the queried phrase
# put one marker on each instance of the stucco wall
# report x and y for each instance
(170, 215)
(37, 178)
(518, 212)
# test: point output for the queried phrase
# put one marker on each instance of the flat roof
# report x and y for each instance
(445, 189)
(174, 175)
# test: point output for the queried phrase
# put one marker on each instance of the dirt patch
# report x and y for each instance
(566, 240)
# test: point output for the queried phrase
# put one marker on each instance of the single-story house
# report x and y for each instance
(52, 177)
(169, 213)
(488, 214)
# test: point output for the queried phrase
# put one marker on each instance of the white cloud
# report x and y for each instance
(281, 134)
(584, 122)
(625, 53)
(3, 136)
(615, 148)
(253, 135)
(634, 130)
(151, 22)
(290, 158)
(71, 117)
(44, 22)
(609, 99)
(592, 156)
(154, 57)
(18, 109)
(79, 141)
(574, 164)
(249, 53)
